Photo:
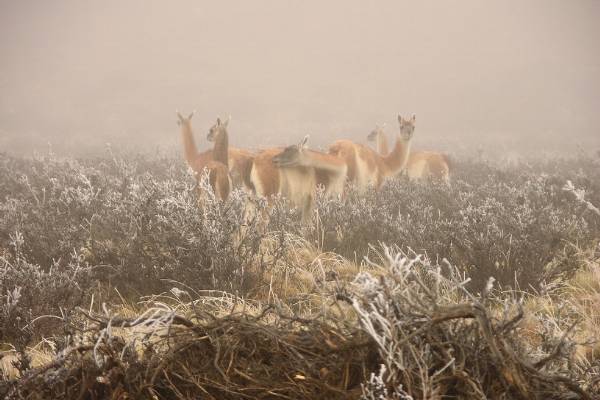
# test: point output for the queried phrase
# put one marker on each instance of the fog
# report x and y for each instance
(502, 74)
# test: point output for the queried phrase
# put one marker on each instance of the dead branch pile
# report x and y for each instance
(416, 333)
(437, 340)
(233, 357)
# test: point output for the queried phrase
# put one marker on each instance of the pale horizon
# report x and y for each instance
(511, 74)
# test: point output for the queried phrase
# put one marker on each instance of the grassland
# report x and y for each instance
(115, 284)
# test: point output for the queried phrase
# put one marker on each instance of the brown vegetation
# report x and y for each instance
(276, 308)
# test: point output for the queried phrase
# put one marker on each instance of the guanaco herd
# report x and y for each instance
(296, 171)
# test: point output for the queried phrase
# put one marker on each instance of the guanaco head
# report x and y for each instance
(183, 121)
(218, 128)
(376, 132)
(292, 155)
(407, 127)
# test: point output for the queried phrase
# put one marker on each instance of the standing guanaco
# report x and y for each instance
(366, 167)
(421, 164)
(239, 160)
(218, 172)
(295, 171)
(330, 171)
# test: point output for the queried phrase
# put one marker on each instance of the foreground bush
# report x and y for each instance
(436, 339)
(70, 229)
(414, 332)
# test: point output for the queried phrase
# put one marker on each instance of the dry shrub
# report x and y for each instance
(231, 356)
(406, 328)
(417, 333)
(144, 227)
(436, 339)
(31, 297)
(517, 225)
(139, 217)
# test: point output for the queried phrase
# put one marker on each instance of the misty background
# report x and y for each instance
(498, 74)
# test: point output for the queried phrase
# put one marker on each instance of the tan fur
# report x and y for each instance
(382, 146)
(264, 175)
(421, 164)
(330, 171)
(219, 179)
(239, 161)
(428, 165)
(298, 184)
(218, 171)
(240, 167)
(294, 171)
(295, 184)
(377, 135)
(365, 167)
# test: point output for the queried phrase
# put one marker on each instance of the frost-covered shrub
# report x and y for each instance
(57, 201)
(32, 300)
(518, 226)
(139, 216)
(435, 339)
(146, 228)
(70, 229)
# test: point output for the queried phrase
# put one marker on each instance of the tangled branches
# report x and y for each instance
(580, 197)
(414, 331)
(165, 355)
(436, 339)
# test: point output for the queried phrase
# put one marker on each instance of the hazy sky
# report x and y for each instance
(81, 73)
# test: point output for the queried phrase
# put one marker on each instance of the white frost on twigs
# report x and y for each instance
(580, 197)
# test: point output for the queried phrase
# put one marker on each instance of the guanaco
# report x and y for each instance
(218, 171)
(294, 172)
(239, 160)
(421, 164)
(294, 183)
(366, 167)
(330, 171)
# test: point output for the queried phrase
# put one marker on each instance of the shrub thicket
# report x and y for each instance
(518, 225)
(72, 231)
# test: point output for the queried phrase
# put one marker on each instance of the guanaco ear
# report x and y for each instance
(400, 118)
(227, 121)
(413, 119)
(191, 115)
(303, 143)
(218, 121)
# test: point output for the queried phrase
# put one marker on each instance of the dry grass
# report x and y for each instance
(278, 310)
(187, 343)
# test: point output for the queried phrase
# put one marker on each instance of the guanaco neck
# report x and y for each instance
(221, 147)
(382, 144)
(325, 162)
(396, 160)
(189, 146)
